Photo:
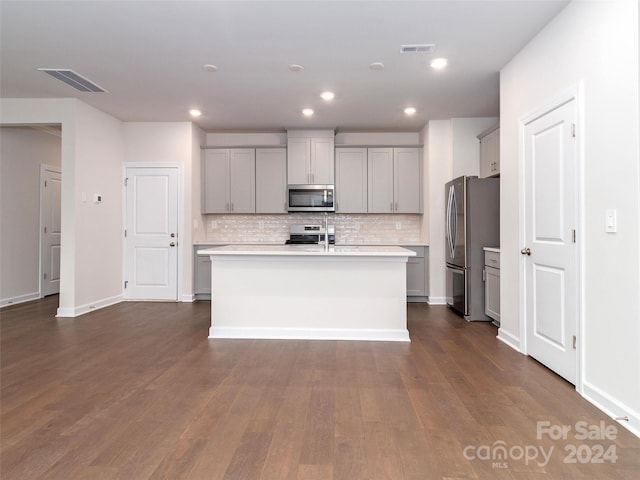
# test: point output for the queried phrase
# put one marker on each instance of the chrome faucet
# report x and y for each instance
(326, 232)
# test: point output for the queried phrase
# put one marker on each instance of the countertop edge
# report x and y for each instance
(306, 251)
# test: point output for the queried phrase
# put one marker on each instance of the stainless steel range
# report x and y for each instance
(310, 234)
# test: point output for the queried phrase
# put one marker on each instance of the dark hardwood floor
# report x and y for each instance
(137, 391)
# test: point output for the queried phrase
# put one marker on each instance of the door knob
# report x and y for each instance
(526, 251)
(172, 244)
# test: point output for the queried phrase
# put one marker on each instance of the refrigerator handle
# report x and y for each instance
(448, 221)
(454, 223)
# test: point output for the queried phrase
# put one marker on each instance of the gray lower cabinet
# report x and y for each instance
(417, 268)
(202, 272)
(492, 286)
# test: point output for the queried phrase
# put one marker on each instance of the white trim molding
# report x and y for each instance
(89, 307)
(27, 297)
(437, 300)
(622, 414)
(384, 335)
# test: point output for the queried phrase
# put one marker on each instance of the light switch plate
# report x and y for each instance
(610, 221)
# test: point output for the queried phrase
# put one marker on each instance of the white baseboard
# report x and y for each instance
(188, 298)
(384, 335)
(70, 312)
(509, 339)
(612, 407)
(28, 297)
(437, 300)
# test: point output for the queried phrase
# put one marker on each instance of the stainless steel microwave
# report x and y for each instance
(310, 198)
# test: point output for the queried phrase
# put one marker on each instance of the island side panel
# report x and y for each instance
(309, 297)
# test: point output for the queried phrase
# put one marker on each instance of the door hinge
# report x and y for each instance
(126, 282)
(125, 234)
(574, 342)
(126, 181)
(573, 235)
(573, 130)
(45, 229)
(45, 184)
(45, 276)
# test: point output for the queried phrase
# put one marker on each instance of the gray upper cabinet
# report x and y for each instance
(351, 180)
(380, 180)
(271, 180)
(229, 181)
(407, 175)
(310, 156)
(394, 180)
(490, 153)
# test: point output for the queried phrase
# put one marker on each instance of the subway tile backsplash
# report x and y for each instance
(390, 229)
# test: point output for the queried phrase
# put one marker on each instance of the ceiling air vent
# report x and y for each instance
(422, 48)
(73, 79)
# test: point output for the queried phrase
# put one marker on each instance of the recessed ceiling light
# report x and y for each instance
(327, 96)
(439, 63)
(307, 112)
(296, 68)
(410, 110)
(208, 67)
(376, 66)
(194, 112)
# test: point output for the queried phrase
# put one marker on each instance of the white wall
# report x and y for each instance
(377, 138)
(176, 143)
(594, 44)
(267, 139)
(440, 159)
(23, 150)
(98, 248)
(91, 154)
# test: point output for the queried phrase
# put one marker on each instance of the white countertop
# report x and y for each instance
(310, 251)
(492, 249)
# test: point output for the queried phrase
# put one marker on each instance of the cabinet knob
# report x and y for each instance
(172, 244)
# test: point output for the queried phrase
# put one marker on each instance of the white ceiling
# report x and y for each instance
(149, 56)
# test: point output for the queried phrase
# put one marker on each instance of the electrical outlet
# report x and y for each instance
(213, 224)
(398, 225)
(260, 225)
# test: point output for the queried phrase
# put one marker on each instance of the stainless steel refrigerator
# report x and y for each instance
(472, 222)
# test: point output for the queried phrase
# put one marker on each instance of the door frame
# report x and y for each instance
(180, 229)
(44, 168)
(574, 93)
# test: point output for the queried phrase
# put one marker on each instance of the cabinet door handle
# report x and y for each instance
(391, 207)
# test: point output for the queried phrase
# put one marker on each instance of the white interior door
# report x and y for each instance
(151, 242)
(51, 202)
(551, 288)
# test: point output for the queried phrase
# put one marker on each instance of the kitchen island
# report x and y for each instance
(306, 292)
